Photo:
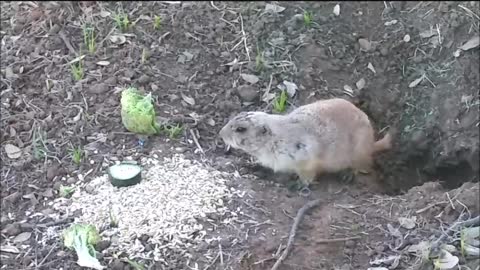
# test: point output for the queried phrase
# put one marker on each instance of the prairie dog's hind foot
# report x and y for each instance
(347, 176)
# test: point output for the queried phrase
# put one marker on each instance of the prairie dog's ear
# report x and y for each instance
(263, 130)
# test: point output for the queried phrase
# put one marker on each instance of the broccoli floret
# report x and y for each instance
(82, 238)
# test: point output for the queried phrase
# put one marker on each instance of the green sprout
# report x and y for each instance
(77, 155)
(157, 22)
(65, 191)
(122, 21)
(173, 131)
(280, 103)
(307, 18)
(259, 62)
(89, 38)
(38, 142)
(77, 70)
(113, 219)
(135, 265)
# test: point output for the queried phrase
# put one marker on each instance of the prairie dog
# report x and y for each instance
(324, 136)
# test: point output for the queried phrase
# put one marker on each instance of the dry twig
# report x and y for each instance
(293, 231)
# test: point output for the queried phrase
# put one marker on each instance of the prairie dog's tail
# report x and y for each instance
(383, 144)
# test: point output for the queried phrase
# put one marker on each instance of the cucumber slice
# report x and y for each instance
(125, 174)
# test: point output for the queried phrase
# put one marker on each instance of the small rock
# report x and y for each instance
(129, 73)
(384, 51)
(55, 29)
(48, 211)
(365, 44)
(48, 193)
(12, 229)
(322, 19)
(247, 93)
(144, 79)
(27, 260)
(52, 171)
(4, 219)
(102, 245)
(98, 255)
(89, 189)
(350, 243)
(57, 185)
(23, 237)
(115, 240)
(380, 249)
(99, 88)
(180, 149)
(148, 247)
(117, 265)
(71, 180)
(111, 81)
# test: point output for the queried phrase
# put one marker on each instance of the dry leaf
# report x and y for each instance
(104, 14)
(392, 22)
(9, 249)
(336, 10)
(348, 90)
(291, 88)
(420, 249)
(188, 99)
(457, 53)
(15, 38)
(370, 66)
(267, 97)
(407, 223)
(252, 79)
(387, 260)
(119, 39)
(274, 8)
(103, 63)
(427, 33)
(446, 261)
(360, 84)
(365, 44)
(22, 237)
(211, 122)
(188, 56)
(13, 132)
(472, 43)
(12, 151)
(406, 38)
(416, 82)
(393, 231)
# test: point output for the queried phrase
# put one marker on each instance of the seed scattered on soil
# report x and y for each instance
(169, 206)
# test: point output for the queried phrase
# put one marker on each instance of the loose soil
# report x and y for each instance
(191, 63)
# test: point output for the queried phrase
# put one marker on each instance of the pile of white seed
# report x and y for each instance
(169, 206)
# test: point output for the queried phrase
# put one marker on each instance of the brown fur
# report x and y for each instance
(336, 135)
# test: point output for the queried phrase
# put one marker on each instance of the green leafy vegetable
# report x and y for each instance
(138, 113)
(82, 238)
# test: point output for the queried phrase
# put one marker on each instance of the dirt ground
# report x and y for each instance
(395, 60)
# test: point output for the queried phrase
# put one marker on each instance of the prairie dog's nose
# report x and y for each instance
(222, 132)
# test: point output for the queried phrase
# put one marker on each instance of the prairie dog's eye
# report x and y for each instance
(240, 129)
